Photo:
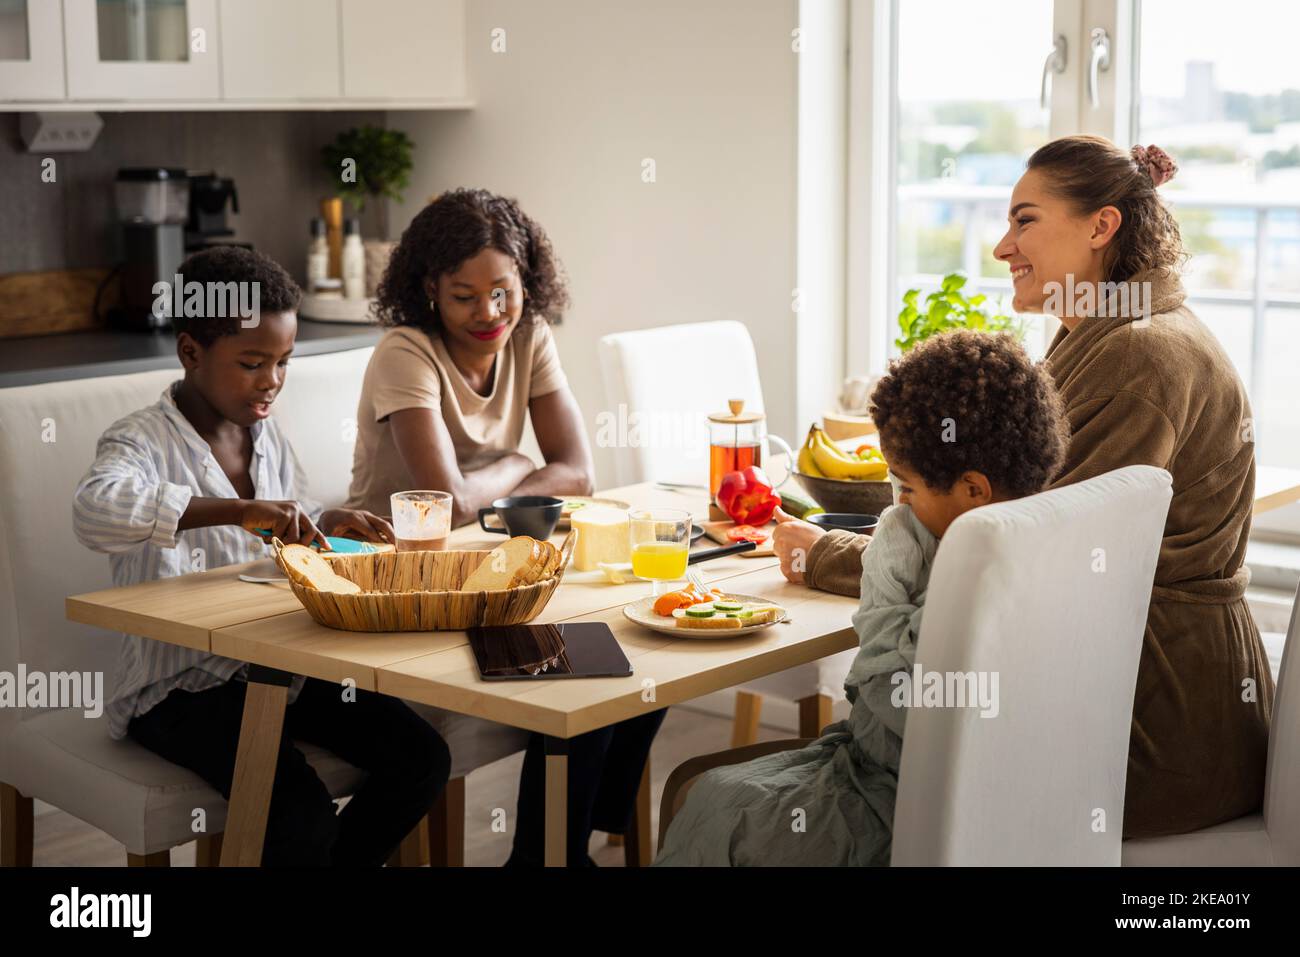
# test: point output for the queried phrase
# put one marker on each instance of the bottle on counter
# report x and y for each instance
(318, 256)
(353, 261)
(331, 211)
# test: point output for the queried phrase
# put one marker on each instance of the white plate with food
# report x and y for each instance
(726, 617)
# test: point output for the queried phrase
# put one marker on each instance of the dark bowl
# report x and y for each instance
(841, 495)
(847, 521)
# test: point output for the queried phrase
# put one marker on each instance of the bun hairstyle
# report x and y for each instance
(455, 227)
(1159, 165)
(1091, 172)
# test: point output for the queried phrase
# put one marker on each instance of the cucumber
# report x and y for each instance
(728, 605)
(792, 503)
(702, 610)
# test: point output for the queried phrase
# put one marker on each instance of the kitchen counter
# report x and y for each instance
(84, 355)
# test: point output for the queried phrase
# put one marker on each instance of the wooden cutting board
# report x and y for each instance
(717, 531)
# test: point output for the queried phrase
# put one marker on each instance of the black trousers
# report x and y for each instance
(405, 760)
(604, 773)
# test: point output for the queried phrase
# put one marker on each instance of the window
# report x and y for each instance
(967, 122)
(968, 102)
(1221, 94)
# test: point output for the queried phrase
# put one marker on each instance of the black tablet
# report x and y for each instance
(575, 649)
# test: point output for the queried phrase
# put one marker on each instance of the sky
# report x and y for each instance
(986, 49)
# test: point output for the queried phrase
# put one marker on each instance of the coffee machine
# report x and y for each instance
(166, 214)
(153, 207)
(209, 195)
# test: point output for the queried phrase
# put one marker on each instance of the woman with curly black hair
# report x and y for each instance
(842, 786)
(469, 294)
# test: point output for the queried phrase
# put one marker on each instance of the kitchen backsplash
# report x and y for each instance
(273, 157)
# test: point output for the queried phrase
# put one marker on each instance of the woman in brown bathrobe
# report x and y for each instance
(1143, 382)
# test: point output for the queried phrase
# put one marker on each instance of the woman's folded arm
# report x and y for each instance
(426, 448)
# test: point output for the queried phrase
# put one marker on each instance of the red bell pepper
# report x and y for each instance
(748, 497)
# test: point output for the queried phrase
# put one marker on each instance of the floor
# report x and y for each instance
(63, 840)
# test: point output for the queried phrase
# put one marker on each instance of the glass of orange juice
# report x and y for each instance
(660, 539)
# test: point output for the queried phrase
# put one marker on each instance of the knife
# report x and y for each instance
(710, 553)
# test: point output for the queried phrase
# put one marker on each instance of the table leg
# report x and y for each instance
(557, 800)
(259, 749)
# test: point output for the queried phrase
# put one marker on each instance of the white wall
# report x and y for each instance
(585, 91)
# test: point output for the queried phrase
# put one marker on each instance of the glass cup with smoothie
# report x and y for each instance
(422, 520)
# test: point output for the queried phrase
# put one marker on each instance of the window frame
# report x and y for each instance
(872, 186)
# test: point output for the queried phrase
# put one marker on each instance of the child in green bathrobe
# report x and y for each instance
(965, 420)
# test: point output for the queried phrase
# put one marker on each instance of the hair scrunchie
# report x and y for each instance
(1158, 164)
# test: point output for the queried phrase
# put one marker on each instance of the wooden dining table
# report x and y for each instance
(266, 626)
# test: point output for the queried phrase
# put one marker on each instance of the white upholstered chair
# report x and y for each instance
(1016, 591)
(633, 364)
(1050, 593)
(1272, 836)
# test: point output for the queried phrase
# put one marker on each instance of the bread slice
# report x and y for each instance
(718, 623)
(532, 572)
(552, 558)
(509, 565)
(310, 570)
(305, 566)
(340, 586)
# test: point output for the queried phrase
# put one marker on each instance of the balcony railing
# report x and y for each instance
(974, 203)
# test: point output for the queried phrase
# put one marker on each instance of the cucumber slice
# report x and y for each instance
(728, 605)
(702, 610)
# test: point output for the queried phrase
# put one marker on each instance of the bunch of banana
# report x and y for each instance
(822, 458)
(807, 464)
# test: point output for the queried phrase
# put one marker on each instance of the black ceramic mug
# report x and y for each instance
(533, 515)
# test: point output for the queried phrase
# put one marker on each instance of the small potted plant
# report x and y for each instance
(947, 309)
(380, 162)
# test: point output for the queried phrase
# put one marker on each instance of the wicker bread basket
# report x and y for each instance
(417, 591)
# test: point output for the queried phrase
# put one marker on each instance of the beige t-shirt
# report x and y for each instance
(411, 369)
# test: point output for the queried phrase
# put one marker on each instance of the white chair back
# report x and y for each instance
(1282, 781)
(48, 435)
(667, 381)
(1049, 594)
(318, 412)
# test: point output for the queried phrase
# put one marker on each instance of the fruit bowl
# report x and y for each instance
(864, 497)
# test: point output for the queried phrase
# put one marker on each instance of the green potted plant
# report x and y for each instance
(381, 160)
(370, 161)
(947, 309)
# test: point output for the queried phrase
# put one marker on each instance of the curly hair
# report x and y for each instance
(1091, 172)
(223, 265)
(457, 226)
(972, 401)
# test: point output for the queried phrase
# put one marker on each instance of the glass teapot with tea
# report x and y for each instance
(737, 440)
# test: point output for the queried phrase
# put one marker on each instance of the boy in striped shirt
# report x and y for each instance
(179, 486)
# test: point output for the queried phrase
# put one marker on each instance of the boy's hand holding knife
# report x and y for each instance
(288, 522)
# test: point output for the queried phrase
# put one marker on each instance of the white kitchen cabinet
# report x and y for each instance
(142, 50)
(232, 54)
(285, 50)
(31, 50)
(403, 49)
